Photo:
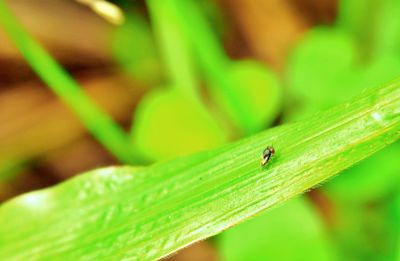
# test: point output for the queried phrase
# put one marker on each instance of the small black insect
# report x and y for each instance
(266, 155)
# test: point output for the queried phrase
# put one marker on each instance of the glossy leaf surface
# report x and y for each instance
(148, 213)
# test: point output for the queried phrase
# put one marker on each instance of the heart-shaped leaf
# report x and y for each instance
(264, 237)
(259, 91)
(169, 123)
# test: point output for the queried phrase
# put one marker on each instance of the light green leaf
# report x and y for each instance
(174, 47)
(148, 213)
(374, 178)
(295, 227)
(169, 123)
(134, 48)
(354, 15)
(366, 230)
(396, 225)
(259, 91)
(324, 70)
(385, 28)
(379, 71)
(226, 79)
(319, 66)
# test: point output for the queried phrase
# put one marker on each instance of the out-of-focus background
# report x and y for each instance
(181, 76)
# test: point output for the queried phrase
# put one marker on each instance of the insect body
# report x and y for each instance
(266, 155)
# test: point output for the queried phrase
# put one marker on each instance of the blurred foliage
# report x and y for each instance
(373, 179)
(294, 231)
(224, 77)
(198, 98)
(134, 49)
(147, 213)
(394, 223)
(326, 68)
(176, 120)
(329, 66)
(62, 84)
(367, 231)
(169, 124)
(259, 91)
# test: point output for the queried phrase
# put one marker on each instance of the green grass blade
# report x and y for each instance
(211, 55)
(148, 213)
(174, 47)
(97, 121)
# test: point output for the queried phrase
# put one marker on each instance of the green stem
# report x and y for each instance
(212, 57)
(97, 121)
(174, 47)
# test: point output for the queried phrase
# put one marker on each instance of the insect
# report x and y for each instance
(266, 155)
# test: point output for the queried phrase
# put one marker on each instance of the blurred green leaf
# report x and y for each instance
(260, 93)
(294, 231)
(385, 28)
(387, 31)
(321, 71)
(345, 77)
(366, 231)
(349, 230)
(148, 213)
(393, 226)
(134, 48)
(225, 77)
(174, 47)
(169, 123)
(178, 113)
(376, 177)
(354, 15)
(325, 69)
(374, 24)
(379, 71)
(396, 225)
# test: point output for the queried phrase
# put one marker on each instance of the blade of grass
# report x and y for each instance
(97, 122)
(174, 47)
(148, 213)
(211, 55)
